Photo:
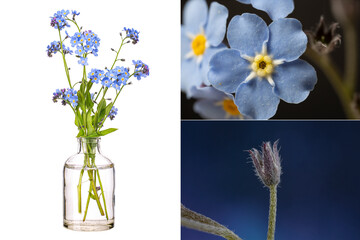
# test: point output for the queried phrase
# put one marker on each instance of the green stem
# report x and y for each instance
(117, 53)
(92, 180)
(93, 186)
(63, 56)
(329, 69)
(74, 23)
(79, 188)
(98, 94)
(87, 204)
(351, 59)
(102, 193)
(272, 213)
(112, 104)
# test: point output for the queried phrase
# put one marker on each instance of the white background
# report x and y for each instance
(38, 135)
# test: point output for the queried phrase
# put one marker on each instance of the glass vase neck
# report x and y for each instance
(89, 145)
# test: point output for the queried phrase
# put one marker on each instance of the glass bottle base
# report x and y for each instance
(89, 225)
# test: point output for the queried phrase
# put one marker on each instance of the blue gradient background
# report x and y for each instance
(319, 193)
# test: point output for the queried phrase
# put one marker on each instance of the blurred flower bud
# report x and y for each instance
(324, 39)
(267, 163)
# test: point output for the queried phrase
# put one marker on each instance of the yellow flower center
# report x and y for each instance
(198, 45)
(230, 107)
(262, 65)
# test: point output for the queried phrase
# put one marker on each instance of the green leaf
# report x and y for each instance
(93, 135)
(80, 134)
(101, 105)
(82, 87)
(89, 125)
(101, 133)
(107, 131)
(108, 108)
(81, 100)
(89, 102)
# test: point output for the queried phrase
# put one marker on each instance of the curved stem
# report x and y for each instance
(102, 193)
(117, 53)
(63, 56)
(79, 188)
(272, 213)
(329, 69)
(351, 60)
(112, 104)
(199, 222)
(74, 23)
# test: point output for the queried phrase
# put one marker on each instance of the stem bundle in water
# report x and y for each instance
(93, 172)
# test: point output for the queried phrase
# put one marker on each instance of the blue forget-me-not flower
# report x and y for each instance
(214, 104)
(262, 65)
(274, 8)
(202, 33)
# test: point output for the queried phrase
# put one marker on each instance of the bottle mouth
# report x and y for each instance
(89, 140)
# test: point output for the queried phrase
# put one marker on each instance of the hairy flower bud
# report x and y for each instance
(267, 163)
(324, 38)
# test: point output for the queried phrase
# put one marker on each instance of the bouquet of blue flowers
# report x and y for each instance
(91, 108)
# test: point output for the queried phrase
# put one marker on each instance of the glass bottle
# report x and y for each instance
(89, 184)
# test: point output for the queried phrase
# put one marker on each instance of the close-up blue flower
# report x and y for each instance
(132, 34)
(83, 61)
(55, 47)
(112, 113)
(262, 65)
(141, 69)
(106, 82)
(214, 104)
(274, 8)
(202, 33)
(96, 75)
(58, 21)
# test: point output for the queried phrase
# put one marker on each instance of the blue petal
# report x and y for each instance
(274, 8)
(244, 1)
(256, 99)
(209, 109)
(209, 93)
(190, 76)
(216, 26)
(185, 43)
(287, 41)
(209, 53)
(294, 81)
(247, 33)
(228, 70)
(195, 15)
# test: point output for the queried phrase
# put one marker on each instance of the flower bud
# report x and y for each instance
(267, 163)
(324, 38)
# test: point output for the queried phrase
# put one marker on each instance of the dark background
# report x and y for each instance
(319, 193)
(322, 102)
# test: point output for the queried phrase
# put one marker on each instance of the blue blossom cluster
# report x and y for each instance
(67, 96)
(132, 34)
(112, 113)
(96, 75)
(141, 69)
(115, 78)
(85, 42)
(262, 64)
(55, 47)
(58, 21)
